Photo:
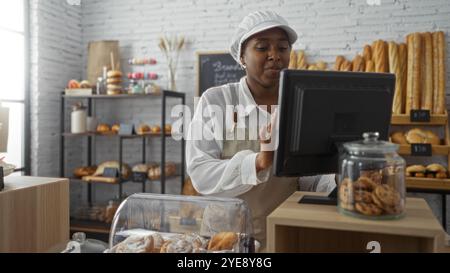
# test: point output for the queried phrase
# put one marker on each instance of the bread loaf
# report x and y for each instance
(293, 60)
(403, 63)
(380, 57)
(358, 64)
(367, 53)
(427, 72)
(346, 66)
(370, 66)
(439, 58)
(301, 60)
(394, 68)
(414, 42)
(339, 60)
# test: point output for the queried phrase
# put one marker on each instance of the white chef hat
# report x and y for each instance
(257, 22)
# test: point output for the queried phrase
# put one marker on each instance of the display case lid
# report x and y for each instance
(179, 218)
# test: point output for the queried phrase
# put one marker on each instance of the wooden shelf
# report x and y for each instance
(114, 135)
(117, 180)
(89, 226)
(435, 149)
(427, 183)
(405, 120)
(121, 96)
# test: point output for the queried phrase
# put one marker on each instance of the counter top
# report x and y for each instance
(34, 214)
(419, 221)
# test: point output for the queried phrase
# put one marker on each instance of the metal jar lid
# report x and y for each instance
(371, 144)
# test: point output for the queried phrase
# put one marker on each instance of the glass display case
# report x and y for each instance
(162, 223)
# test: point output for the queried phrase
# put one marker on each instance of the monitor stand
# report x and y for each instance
(331, 199)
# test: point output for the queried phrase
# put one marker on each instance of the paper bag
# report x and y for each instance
(99, 55)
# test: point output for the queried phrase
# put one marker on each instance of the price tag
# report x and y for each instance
(139, 176)
(188, 221)
(420, 115)
(421, 149)
(126, 129)
(111, 172)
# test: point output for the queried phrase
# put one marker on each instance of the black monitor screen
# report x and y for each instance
(320, 110)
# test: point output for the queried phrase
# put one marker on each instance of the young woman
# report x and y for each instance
(234, 161)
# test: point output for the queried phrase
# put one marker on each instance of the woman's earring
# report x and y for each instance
(244, 66)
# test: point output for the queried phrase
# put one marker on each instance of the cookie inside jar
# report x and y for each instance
(372, 181)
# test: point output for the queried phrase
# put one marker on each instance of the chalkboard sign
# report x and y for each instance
(215, 69)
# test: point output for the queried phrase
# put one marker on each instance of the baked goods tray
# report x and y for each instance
(405, 149)
(245, 243)
(427, 183)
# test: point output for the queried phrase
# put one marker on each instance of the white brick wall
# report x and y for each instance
(326, 28)
(56, 57)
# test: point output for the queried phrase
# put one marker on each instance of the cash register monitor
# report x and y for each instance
(320, 110)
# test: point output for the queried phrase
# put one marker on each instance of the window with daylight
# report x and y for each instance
(13, 77)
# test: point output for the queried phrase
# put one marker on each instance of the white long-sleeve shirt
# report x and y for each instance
(210, 174)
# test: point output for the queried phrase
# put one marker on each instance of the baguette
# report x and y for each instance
(370, 66)
(301, 60)
(403, 63)
(293, 60)
(358, 64)
(427, 72)
(367, 53)
(339, 60)
(439, 56)
(346, 66)
(394, 68)
(413, 81)
(380, 57)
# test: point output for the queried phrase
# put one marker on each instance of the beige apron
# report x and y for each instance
(265, 197)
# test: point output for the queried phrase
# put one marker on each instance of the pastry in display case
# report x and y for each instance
(162, 223)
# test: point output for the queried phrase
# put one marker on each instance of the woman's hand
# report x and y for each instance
(264, 159)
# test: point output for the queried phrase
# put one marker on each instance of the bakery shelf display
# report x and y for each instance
(116, 172)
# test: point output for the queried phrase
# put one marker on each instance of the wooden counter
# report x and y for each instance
(294, 227)
(34, 214)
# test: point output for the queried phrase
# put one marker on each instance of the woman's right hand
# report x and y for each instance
(264, 159)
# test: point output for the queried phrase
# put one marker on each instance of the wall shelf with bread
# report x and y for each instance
(419, 120)
(95, 218)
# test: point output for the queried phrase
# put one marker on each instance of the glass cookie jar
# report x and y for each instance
(371, 179)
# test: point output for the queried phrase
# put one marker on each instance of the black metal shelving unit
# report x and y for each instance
(91, 137)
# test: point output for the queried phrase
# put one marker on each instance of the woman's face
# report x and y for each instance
(265, 54)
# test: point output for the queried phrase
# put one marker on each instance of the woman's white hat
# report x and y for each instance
(257, 22)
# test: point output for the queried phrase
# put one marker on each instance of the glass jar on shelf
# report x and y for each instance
(371, 179)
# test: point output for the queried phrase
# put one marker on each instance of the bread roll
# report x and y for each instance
(293, 60)
(439, 57)
(313, 67)
(403, 63)
(416, 169)
(370, 66)
(103, 128)
(436, 168)
(399, 138)
(339, 60)
(427, 72)
(394, 68)
(414, 43)
(358, 64)
(321, 65)
(143, 129)
(367, 53)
